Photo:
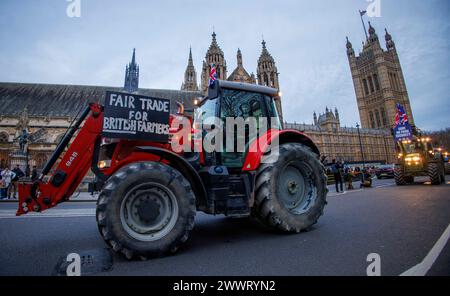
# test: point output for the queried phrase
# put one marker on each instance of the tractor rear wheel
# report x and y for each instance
(146, 209)
(435, 174)
(291, 190)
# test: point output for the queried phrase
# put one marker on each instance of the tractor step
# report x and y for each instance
(228, 194)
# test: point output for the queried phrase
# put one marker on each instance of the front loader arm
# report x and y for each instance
(41, 195)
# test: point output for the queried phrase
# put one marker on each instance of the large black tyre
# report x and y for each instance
(447, 168)
(274, 189)
(146, 210)
(399, 176)
(435, 174)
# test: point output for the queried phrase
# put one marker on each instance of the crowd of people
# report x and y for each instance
(344, 174)
(9, 180)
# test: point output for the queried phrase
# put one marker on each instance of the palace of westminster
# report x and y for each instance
(46, 110)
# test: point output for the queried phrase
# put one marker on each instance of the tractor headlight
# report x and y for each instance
(104, 164)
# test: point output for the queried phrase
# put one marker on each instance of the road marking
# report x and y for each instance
(385, 185)
(345, 192)
(423, 267)
(52, 213)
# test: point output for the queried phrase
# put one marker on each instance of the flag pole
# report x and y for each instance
(361, 13)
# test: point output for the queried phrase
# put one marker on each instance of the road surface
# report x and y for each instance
(405, 225)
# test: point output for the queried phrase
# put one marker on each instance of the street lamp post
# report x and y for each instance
(362, 152)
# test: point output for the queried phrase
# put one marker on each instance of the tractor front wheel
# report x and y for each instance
(435, 174)
(291, 189)
(399, 176)
(146, 209)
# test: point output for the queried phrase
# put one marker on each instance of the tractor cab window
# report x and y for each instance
(413, 147)
(240, 104)
(273, 112)
(243, 104)
(206, 112)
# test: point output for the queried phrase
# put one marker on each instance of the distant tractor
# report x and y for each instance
(417, 157)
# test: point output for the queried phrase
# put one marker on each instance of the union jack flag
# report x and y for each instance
(400, 117)
(212, 75)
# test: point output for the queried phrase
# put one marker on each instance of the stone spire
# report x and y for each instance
(390, 45)
(190, 75)
(215, 56)
(267, 71)
(350, 51)
(373, 37)
(267, 74)
(131, 83)
(239, 58)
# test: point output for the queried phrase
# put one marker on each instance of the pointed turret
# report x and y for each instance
(240, 74)
(350, 51)
(215, 56)
(267, 71)
(131, 83)
(373, 37)
(239, 58)
(190, 75)
(390, 45)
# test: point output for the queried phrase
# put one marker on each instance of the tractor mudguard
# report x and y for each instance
(185, 168)
(258, 148)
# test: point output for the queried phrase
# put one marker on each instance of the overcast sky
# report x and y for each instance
(40, 43)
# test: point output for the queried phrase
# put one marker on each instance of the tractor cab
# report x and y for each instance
(242, 112)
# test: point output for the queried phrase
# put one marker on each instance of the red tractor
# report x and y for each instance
(149, 194)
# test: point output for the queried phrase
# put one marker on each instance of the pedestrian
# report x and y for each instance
(34, 173)
(15, 181)
(348, 178)
(7, 177)
(337, 174)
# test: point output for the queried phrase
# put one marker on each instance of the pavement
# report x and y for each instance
(407, 226)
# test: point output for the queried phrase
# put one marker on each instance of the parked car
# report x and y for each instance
(385, 171)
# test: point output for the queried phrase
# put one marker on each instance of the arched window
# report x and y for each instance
(377, 83)
(218, 72)
(397, 81)
(366, 88)
(4, 137)
(372, 89)
(372, 121)
(383, 117)
(266, 79)
(40, 160)
(377, 116)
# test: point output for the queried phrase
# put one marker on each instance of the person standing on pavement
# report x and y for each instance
(19, 174)
(7, 177)
(336, 169)
(34, 173)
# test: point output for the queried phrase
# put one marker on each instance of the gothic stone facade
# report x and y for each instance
(378, 81)
(342, 143)
(267, 72)
(47, 110)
